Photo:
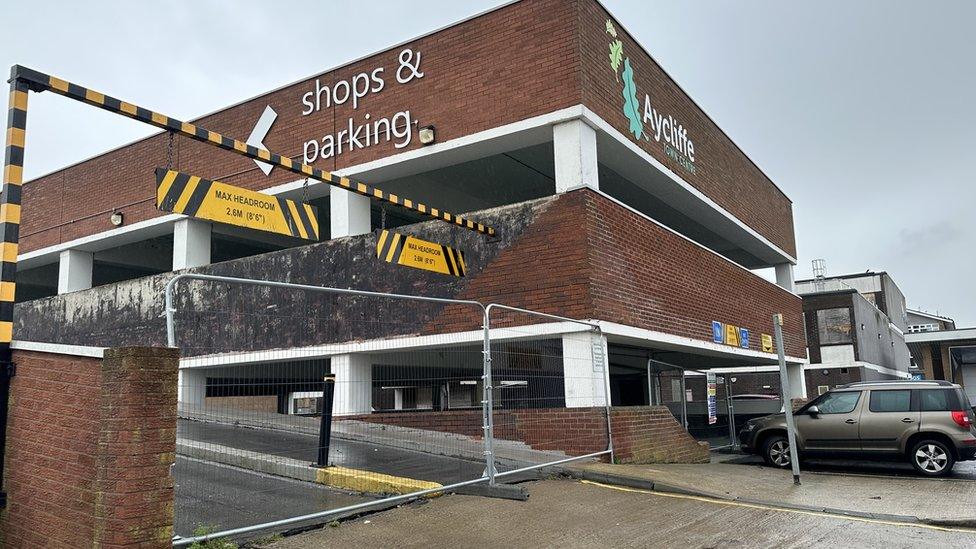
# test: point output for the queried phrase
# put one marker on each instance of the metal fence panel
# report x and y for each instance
(256, 384)
(425, 395)
(550, 387)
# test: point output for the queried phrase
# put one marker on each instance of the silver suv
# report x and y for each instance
(928, 423)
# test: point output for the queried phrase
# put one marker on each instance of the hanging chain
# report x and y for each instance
(169, 152)
(382, 218)
(305, 191)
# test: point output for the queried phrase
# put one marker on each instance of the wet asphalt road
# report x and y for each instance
(222, 497)
(345, 453)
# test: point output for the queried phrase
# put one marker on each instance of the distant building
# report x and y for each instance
(920, 321)
(855, 326)
(942, 351)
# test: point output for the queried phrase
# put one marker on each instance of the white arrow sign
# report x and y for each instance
(260, 131)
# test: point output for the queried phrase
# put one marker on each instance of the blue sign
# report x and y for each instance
(718, 332)
(743, 338)
(918, 377)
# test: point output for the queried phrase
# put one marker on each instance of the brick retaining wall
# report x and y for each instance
(90, 443)
(641, 434)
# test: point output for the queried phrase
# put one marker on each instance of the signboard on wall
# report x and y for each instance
(767, 343)
(194, 196)
(728, 334)
(712, 406)
(410, 251)
(646, 122)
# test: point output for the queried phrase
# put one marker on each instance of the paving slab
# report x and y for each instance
(570, 514)
(902, 498)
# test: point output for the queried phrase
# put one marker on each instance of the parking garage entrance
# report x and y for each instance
(680, 381)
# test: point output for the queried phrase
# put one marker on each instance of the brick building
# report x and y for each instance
(615, 198)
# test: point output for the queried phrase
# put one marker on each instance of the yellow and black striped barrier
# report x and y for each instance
(39, 82)
(194, 196)
(411, 251)
(13, 178)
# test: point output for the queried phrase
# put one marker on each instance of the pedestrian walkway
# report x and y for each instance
(907, 499)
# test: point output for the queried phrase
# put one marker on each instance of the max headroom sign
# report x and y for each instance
(660, 127)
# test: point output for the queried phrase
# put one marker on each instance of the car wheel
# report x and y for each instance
(932, 458)
(776, 451)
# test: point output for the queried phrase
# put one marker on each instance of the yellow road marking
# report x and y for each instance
(780, 509)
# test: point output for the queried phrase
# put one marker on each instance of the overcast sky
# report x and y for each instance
(862, 112)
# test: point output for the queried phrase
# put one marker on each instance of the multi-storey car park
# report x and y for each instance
(612, 195)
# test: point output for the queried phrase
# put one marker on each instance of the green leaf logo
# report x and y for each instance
(616, 55)
(631, 106)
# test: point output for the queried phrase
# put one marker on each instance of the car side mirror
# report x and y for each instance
(813, 410)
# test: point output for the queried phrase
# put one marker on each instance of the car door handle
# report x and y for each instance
(908, 420)
(850, 421)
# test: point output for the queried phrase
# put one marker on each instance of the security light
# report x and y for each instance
(426, 135)
(116, 218)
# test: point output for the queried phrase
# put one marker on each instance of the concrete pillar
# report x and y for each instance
(354, 384)
(397, 399)
(784, 276)
(75, 271)
(798, 380)
(584, 370)
(192, 389)
(349, 213)
(574, 151)
(191, 243)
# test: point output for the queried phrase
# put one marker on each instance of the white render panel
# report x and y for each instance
(574, 153)
(349, 215)
(585, 369)
(353, 385)
(75, 271)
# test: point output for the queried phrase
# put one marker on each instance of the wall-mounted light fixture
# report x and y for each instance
(116, 219)
(427, 135)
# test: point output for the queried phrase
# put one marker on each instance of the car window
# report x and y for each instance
(891, 401)
(839, 403)
(937, 400)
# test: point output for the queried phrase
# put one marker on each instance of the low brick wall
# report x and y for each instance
(641, 434)
(89, 447)
(265, 403)
(650, 434)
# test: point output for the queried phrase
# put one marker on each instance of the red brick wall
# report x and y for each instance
(511, 64)
(89, 448)
(522, 60)
(646, 276)
(641, 434)
(586, 256)
(650, 434)
(722, 171)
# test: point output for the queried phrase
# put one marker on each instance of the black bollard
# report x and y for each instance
(325, 425)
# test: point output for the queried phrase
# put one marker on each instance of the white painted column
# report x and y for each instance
(349, 213)
(784, 276)
(354, 384)
(191, 243)
(192, 389)
(584, 370)
(798, 380)
(574, 151)
(397, 399)
(75, 271)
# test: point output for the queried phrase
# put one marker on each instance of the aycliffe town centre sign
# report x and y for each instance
(662, 127)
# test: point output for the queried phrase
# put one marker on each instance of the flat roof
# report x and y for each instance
(938, 336)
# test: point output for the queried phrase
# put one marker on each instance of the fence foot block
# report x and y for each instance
(501, 491)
